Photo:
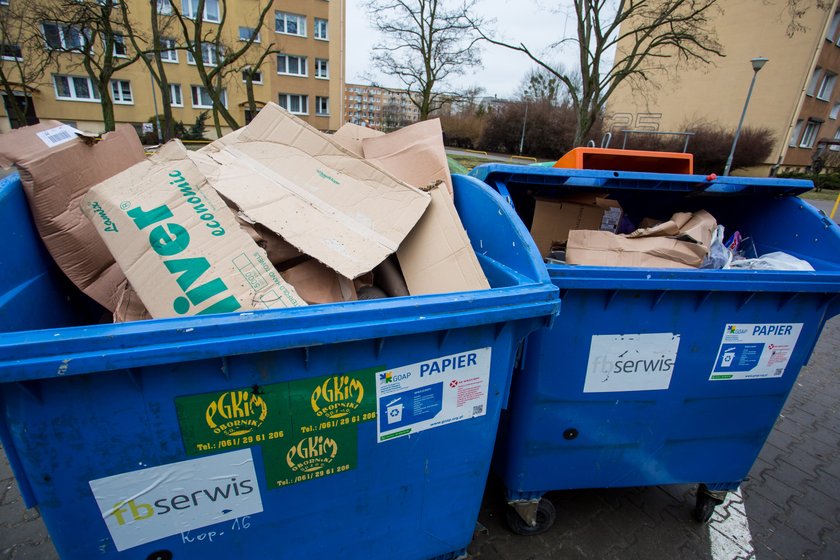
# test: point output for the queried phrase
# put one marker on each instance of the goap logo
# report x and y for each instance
(338, 396)
(312, 454)
(236, 413)
(733, 329)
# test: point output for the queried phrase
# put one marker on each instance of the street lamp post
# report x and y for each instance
(757, 64)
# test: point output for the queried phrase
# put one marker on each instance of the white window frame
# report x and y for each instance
(809, 137)
(164, 7)
(326, 64)
(71, 86)
(832, 29)
(302, 99)
(251, 30)
(253, 81)
(209, 54)
(815, 79)
(315, 29)
(797, 132)
(172, 89)
(118, 96)
(12, 45)
(303, 63)
(835, 111)
(196, 88)
(318, 100)
(285, 16)
(171, 53)
(827, 86)
(835, 147)
(189, 10)
(119, 39)
(62, 35)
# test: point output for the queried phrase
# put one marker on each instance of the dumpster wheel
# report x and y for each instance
(706, 501)
(546, 515)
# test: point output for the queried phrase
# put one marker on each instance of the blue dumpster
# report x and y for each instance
(690, 405)
(360, 430)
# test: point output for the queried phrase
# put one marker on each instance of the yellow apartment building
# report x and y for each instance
(378, 107)
(306, 76)
(795, 95)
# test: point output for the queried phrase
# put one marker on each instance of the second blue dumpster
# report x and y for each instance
(655, 376)
(356, 431)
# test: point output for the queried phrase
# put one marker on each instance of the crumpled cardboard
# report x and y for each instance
(179, 245)
(317, 283)
(681, 242)
(57, 169)
(299, 183)
(437, 256)
(350, 136)
(555, 218)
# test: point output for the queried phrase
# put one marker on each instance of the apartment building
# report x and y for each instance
(305, 76)
(795, 95)
(378, 107)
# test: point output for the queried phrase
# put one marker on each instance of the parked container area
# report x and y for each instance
(569, 426)
(354, 430)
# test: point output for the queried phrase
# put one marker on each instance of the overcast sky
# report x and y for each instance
(529, 21)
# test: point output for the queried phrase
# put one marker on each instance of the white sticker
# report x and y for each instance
(58, 135)
(755, 350)
(631, 362)
(431, 394)
(150, 504)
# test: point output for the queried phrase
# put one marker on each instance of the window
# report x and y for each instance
(835, 111)
(62, 37)
(832, 29)
(827, 86)
(120, 49)
(810, 134)
(246, 33)
(175, 98)
(10, 52)
(164, 7)
(290, 24)
(835, 147)
(815, 78)
(322, 69)
(201, 99)
(320, 29)
(74, 88)
(256, 77)
(794, 136)
(189, 8)
(170, 54)
(322, 105)
(209, 55)
(291, 65)
(297, 104)
(121, 92)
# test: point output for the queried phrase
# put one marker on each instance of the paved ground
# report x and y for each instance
(826, 206)
(792, 500)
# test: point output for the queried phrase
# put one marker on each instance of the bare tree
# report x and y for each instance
(541, 86)
(214, 58)
(643, 34)
(23, 61)
(92, 33)
(424, 43)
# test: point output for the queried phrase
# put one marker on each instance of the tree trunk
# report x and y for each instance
(249, 89)
(18, 112)
(107, 105)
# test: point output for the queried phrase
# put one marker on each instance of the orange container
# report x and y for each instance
(627, 160)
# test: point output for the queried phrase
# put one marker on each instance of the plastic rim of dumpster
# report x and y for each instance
(706, 398)
(270, 432)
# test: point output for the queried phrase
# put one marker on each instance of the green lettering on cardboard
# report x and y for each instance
(167, 244)
(206, 291)
(143, 219)
(191, 270)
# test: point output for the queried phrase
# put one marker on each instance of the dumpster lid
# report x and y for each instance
(508, 175)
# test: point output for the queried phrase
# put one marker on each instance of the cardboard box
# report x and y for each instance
(350, 136)
(57, 169)
(555, 218)
(299, 183)
(316, 283)
(437, 256)
(179, 245)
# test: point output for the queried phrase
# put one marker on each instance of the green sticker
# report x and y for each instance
(310, 457)
(332, 401)
(229, 419)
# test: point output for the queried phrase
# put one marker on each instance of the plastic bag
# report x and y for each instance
(773, 261)
(719, 255)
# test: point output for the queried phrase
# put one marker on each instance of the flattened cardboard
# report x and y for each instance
(417, 151)
(316, 283)
(350, 136)
(179, 245)
(57, 169)
(602, 248)
(129, 307)
(554, 218)
(302, 185)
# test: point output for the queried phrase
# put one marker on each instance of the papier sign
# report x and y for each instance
(150, 504)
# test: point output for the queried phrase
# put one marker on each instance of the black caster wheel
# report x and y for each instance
(705, 504)
(546, 516)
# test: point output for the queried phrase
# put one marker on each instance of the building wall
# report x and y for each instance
(716, 92)
(378, 107)
(88, 115)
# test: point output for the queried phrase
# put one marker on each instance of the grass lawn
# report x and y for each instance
(824, 194)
